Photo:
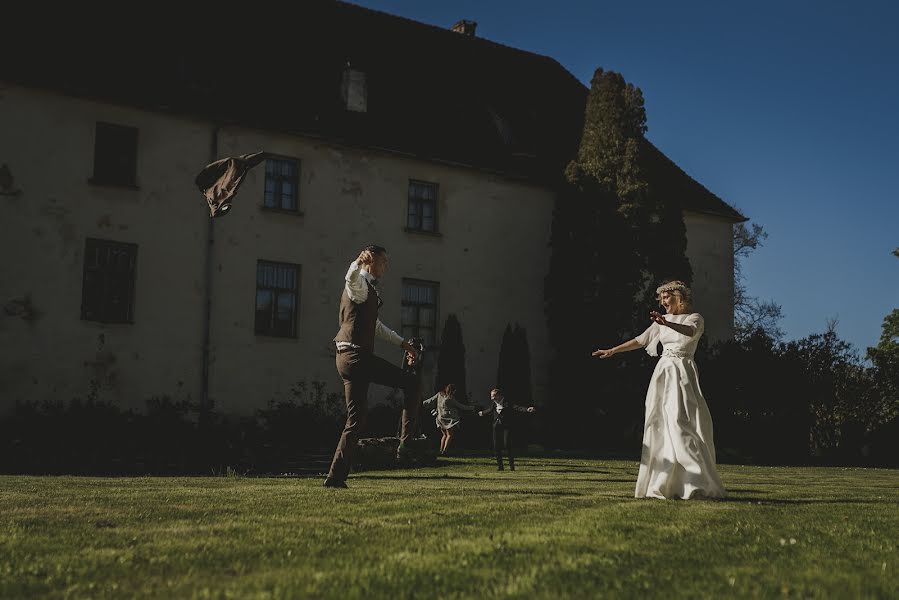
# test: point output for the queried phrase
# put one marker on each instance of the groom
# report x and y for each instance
(357, 364)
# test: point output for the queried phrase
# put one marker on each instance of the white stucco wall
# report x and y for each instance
(710, 252)
(489, 227)
(47, 142)
(490, 259)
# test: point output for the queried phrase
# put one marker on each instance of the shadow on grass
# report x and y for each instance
(632, 480)
(553, 493)
(435, 476)
(798, 501)
(520, 474)
(563, 471)
(541, 463)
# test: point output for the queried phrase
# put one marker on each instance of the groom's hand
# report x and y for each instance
(366, 257)
(408, 347)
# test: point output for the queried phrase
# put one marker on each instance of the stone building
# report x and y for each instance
(436, 143)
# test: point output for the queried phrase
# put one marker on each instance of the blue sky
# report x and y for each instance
(787, 110)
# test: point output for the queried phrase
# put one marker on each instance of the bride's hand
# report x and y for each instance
(603, 353)
(658, 318)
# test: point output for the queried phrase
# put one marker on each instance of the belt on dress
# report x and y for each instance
(676, 353)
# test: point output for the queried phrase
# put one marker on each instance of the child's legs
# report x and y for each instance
(498, 442)
(449, 437)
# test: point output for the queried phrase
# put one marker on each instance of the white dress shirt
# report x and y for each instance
(357, 291)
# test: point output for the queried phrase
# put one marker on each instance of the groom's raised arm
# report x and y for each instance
(355, 285)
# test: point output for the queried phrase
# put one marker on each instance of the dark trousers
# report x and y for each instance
(358, 369)
(502, 438)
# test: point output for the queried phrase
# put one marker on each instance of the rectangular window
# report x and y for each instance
(107, 289)
(115, 155)
(282, 183)
(277, 298)
(354, 90)
(419, 310)
(422, 212)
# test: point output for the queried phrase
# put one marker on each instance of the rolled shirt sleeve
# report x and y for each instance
(356, 286)
(387, 334)
(357, 291)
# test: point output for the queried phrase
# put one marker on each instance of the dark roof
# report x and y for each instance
(432, 93)
(691, 194)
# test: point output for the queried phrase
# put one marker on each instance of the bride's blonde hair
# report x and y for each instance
(679, 290)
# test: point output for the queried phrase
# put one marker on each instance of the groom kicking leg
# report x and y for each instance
(357, 364)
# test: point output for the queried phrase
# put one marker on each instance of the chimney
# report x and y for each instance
(466, 28)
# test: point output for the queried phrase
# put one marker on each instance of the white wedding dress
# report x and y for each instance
(678, 458)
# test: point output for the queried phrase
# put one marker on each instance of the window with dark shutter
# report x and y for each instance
(277, 298)
(354, 90)
(419, 310)
(282, 184)
(107, 290)
(421, 214)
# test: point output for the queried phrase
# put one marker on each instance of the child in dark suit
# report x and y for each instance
(503, 423)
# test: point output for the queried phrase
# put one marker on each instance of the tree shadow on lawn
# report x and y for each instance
(492, 476)
(554, 493)
(565, 465)
(731, 490)
(437, 476)
(537, 469)
(800, 501)
(630, 480)
(473, 479)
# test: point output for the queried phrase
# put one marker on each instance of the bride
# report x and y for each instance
(678, 458)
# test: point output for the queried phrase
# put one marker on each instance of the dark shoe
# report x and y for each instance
(334, 483)
(511, 467)
(500, 468)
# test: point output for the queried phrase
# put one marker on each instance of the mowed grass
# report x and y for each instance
(554, 528)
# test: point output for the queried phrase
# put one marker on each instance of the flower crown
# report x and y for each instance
(674, 286)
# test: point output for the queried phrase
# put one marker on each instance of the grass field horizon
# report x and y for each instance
(556, 527)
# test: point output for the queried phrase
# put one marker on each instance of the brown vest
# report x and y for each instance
(357, 321)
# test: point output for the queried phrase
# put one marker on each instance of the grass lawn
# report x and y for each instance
(554, 528)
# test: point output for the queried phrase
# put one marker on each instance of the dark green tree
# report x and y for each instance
(505, 370)
(885, 358)
(614, 125)
(451, 360)
(513, 373)
(613, 238)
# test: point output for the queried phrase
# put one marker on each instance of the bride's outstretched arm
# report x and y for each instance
(625, 347)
